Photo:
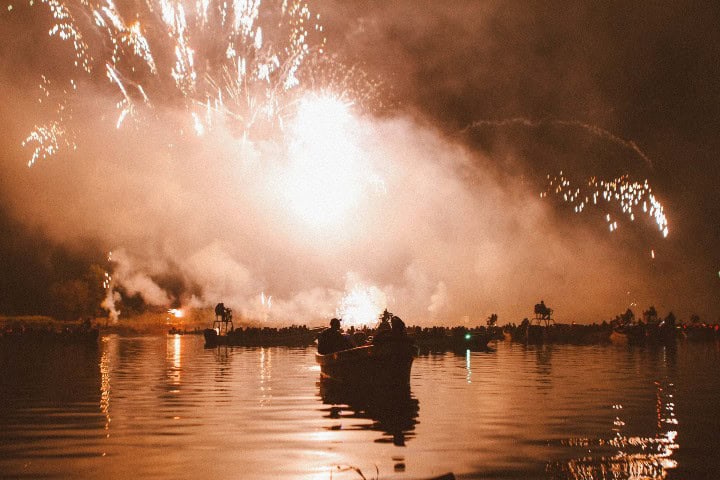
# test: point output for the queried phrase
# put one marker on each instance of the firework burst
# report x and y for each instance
(240, 63)
(619, 197)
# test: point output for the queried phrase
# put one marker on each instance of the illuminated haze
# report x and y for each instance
(394, 207)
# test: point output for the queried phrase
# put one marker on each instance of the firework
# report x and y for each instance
(238, 63)
(50, 138)
(362, 305)
(628, 197)
(111, 295)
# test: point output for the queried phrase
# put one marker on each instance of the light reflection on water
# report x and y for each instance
(165, 407)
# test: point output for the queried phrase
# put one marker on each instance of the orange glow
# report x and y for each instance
(326, 175)
(362, 305)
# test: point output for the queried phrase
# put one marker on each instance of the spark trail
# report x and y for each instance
(593, 129)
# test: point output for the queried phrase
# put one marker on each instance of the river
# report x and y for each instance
(165, 407)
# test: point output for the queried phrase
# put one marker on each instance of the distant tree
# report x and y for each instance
(94, 277)
(627, 317)
(70, 298)
(75, 298)
(694, 319)
(492, 320)
(670, 319)
(650, 315)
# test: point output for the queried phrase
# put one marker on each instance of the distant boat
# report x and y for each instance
(386, 363)
(258, 337)
(642, 333)
(31, 336)
(457, 342)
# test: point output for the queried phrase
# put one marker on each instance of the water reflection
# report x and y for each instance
(543, 366)
(49, 395)
(265, 375)
(468, 367)
(222, 371)
(109, 349)
(174, 357)
(393, 411)
(166, 408)
(626, 456)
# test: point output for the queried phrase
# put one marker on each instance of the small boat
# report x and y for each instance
(384, 363)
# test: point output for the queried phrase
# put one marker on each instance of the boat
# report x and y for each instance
(458, 339)
(222, 326)
(294, 336)
(32, 334)
(639, 333)
(382, 363)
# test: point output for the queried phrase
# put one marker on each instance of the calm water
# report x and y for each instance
(165, 407)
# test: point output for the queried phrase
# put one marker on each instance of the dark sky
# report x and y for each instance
(489, 97)
(647, 73)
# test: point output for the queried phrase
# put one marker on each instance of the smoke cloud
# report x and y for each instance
(394, 211)
(436, 236)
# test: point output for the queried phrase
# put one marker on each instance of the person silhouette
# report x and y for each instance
(332, 340)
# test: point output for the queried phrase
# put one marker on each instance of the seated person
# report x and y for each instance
(398, 327)
(397, 330)
(332, 340)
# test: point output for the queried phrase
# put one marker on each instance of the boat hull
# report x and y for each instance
(388, 363)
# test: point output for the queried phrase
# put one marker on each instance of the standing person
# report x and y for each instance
(220, 312)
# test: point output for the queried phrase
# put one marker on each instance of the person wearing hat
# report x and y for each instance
(331, 339)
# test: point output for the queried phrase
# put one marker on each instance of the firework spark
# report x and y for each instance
(239, 63)
(361, 305)
(111, 295)
(630, 197)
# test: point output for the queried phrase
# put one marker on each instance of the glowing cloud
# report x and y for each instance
(327, 174)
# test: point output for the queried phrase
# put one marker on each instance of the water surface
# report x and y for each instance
(166, 407)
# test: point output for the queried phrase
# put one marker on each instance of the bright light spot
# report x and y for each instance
(327, 174)
(468, 336)
(266, 301)
(176, 312)
(362, 306)
(652, 253)
(197, 124)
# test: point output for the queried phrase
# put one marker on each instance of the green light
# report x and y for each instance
(468, 336)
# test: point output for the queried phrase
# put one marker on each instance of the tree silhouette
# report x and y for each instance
(650, 315)
(627, 317)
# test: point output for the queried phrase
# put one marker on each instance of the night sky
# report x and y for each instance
(458, 115)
